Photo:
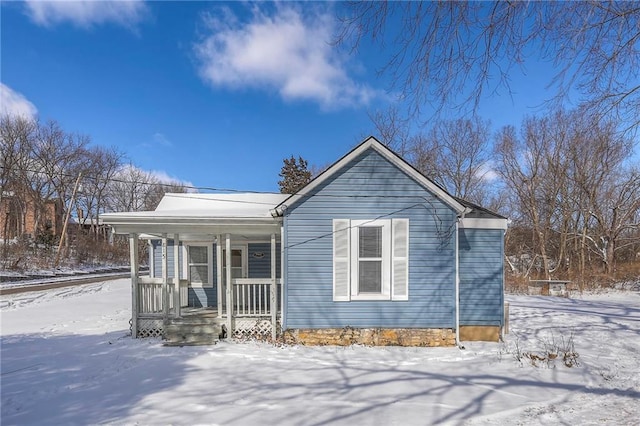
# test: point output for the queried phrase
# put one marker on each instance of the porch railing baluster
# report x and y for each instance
(251, 297)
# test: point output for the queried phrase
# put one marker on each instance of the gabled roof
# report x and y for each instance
(372, 143)
(479, 212)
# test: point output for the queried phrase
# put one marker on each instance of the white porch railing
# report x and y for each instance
(150, 295)
(252, 297)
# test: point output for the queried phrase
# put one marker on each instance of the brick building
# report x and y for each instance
(23, 216)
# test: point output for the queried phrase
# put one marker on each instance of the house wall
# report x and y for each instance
(258, 264)
(481, 277)
(18, 217)
(367, 188)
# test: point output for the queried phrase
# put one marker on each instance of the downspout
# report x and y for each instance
(279, 211)
(457, 249)
(282, 278)
(458, 282)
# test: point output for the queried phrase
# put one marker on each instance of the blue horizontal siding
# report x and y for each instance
(309, 245)
(259, 262)
(481, 276)
(157, 258)
(200, 297)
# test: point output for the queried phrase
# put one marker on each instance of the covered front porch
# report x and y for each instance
(205, 263)
(202, 288)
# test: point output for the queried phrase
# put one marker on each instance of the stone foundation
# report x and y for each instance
(481, 333)
(372, 336)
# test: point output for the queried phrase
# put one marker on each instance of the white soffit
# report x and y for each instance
(483, 223)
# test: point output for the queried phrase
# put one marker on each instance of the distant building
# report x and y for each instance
(21, 215)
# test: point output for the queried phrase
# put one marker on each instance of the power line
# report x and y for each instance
(229, 190)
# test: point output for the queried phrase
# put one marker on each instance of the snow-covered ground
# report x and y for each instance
(66, 358)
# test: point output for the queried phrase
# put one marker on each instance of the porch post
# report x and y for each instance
(176, 275)
(165, 279)
(274, 289)
(219, 274)
(133, 253)
(229, 286)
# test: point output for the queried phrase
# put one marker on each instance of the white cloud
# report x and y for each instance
(164, 177)
(487, 171)
(15, 104)
(130, 172)
(86, 13)
(284, 51)
(161, 139)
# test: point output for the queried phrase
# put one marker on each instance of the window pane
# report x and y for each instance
(197, 254)
(370, 277)
(370, 241)
(199, 273)
(236, 258)
(236, 273)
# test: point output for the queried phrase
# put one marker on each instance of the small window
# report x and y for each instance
(370, 260)
(199, 259)
(237, 263)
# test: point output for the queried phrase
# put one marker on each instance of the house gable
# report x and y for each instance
(371, 144)
(369, 186)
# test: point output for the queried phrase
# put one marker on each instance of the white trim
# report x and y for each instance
(457, 278)
(341, 261)
(274, 289)
(219, 293)
(133, 257)
(483, 223)
(397, 260)
(373, 143)
(282, 279)
(228, 288)
(385, 260)
(152, 260)
(185, 262)
(176, 274)
(244, 248)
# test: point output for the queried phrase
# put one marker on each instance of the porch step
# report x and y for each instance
(193, 330)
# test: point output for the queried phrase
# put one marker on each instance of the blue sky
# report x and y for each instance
(210, 93)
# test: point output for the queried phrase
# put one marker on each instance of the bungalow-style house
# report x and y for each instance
(371, 251)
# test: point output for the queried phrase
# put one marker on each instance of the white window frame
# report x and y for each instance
(395, 259)
(186, 264)
(244, 249)
(385, 293)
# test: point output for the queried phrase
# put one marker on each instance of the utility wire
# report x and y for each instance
(229, 190)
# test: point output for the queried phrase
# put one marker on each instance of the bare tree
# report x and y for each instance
(573, 182)
(392, 128)
(129, 188)
(461, 156)
(454, 153)
(16, 138)
(134, 189)
(102, 166)
(59, 158)
(522, 166)
(453, 53)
